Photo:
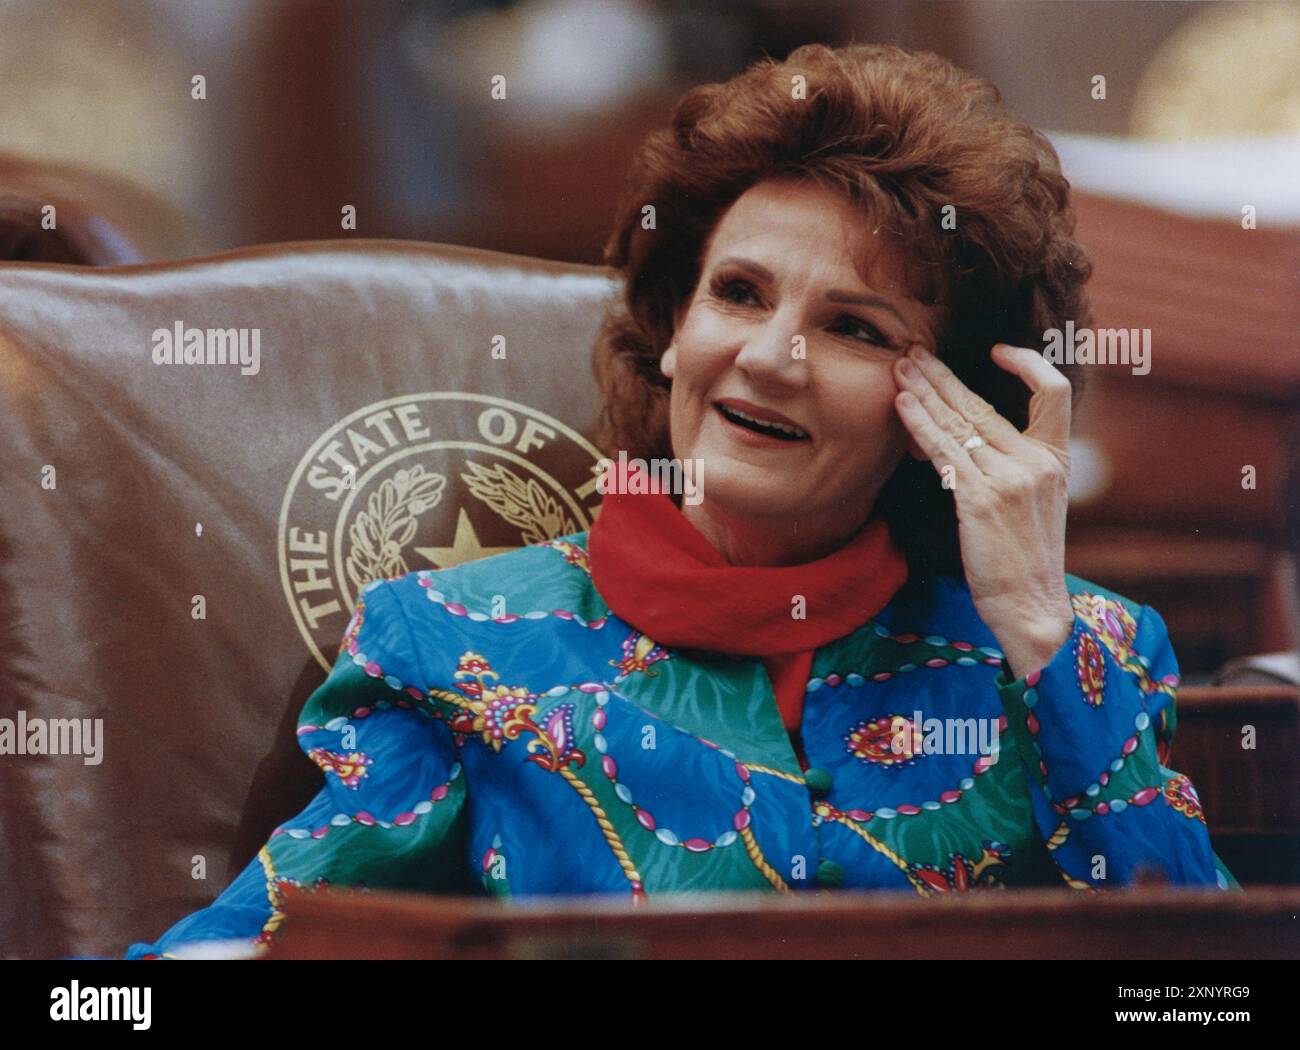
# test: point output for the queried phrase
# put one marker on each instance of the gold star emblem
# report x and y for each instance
(465, 547)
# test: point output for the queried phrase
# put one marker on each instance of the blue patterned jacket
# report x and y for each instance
(494, 728)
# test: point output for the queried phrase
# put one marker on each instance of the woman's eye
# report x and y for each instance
(742, 293)
(732, 290)
(857, 328)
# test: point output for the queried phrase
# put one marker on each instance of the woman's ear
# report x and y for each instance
(668, 362)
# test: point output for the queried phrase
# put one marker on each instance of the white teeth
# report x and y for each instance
(792, 431)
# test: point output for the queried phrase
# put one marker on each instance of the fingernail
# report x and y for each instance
(920, 352)
(907, 369)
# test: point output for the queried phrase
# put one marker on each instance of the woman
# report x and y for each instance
(853, 657)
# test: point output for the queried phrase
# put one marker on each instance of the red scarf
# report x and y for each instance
(656, 571)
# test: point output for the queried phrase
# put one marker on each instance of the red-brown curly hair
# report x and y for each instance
(902, 135)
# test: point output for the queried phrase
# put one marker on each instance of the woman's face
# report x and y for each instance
(782, 327)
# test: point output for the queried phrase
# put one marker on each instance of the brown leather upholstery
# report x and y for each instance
(100, 220)
(453, 448)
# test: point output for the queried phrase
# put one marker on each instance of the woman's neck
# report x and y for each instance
(793, 541)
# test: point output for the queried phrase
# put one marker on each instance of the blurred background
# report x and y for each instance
(306, 106)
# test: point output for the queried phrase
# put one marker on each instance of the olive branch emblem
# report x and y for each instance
(380, 533)
(537, 514)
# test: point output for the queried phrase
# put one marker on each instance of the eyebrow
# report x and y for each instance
(835, 296)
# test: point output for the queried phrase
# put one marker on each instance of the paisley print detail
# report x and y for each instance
(871, 739)
(502, 713)
(496, 713)
(349, 768)
(1109, 620)
(639, 652)
(1114, 626)
(1090, 666)
(874, 741)
(1181, 795)
(962, 874)
(556, 738)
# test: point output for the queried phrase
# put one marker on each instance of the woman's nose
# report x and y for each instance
(776, 349)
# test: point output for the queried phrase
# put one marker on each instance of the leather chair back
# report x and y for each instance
(181, 543)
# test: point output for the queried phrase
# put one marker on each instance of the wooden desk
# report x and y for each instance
(1144, 923)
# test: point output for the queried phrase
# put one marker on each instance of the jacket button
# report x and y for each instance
(830, 874)
(817, 780)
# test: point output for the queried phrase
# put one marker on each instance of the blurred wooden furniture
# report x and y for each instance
(1147, 923)
(1173, 524)
(99, 219)
(1240, 746)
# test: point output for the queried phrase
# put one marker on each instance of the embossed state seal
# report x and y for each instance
(424, 481)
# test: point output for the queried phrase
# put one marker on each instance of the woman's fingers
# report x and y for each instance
(942, 449)
(1049, 405)
(962, 430)
(962, 402)
(946, 418)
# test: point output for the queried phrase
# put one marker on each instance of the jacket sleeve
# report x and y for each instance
(1093, 729)
(391, 812)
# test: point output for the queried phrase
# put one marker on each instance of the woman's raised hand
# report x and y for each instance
(1010, 492)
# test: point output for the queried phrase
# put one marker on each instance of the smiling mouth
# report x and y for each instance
(776, 430)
